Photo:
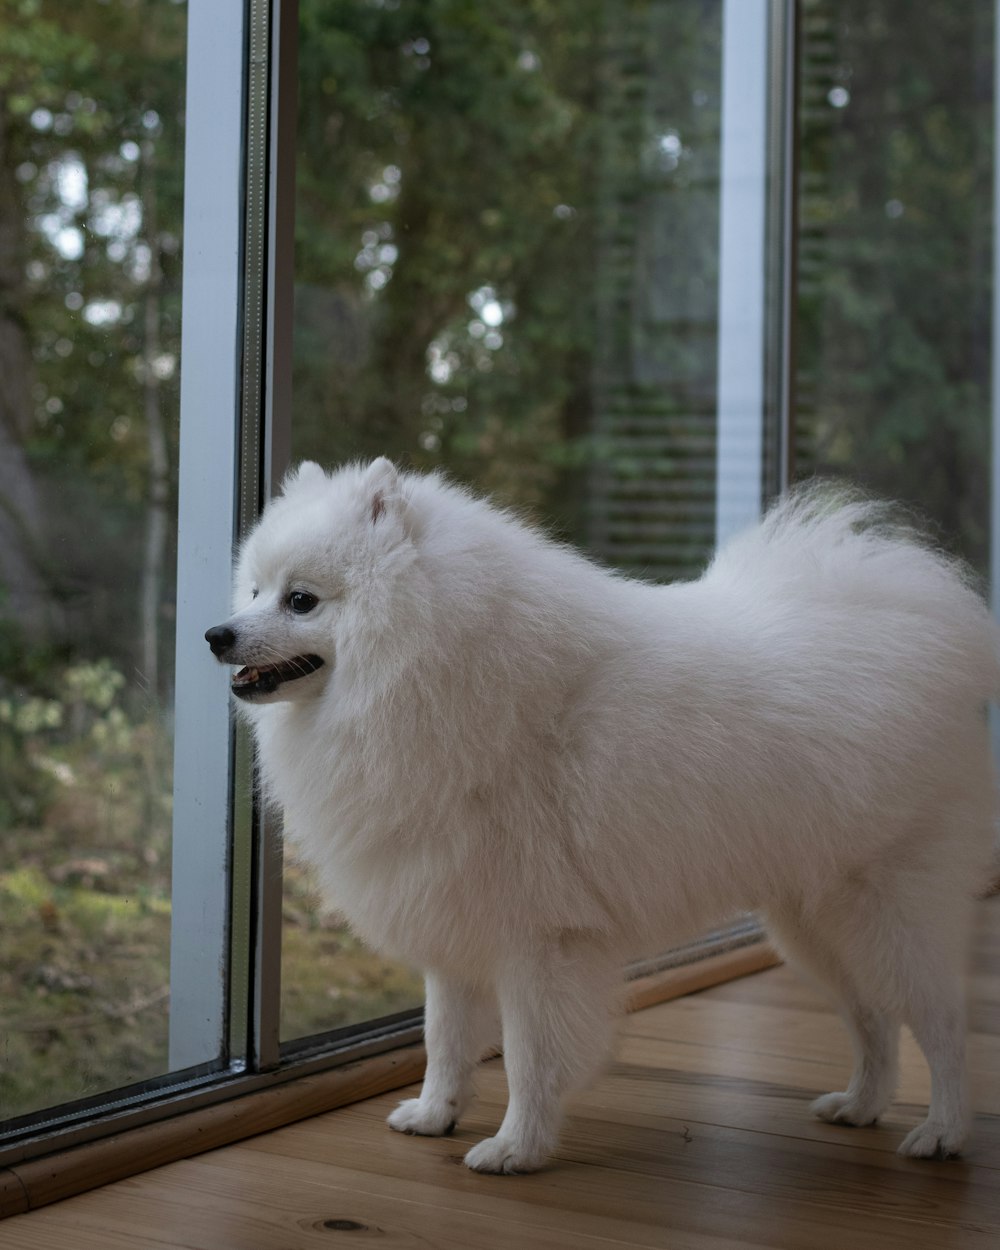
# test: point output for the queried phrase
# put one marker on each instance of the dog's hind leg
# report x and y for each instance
(823, 951)
(937, 1017)
(457, 1025)
(557, 1005)
(892, 948)
(914, 927)
(932, 984)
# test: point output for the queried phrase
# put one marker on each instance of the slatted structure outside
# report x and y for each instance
(817, 69)
(651, 496)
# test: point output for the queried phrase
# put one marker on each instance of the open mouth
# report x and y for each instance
(266, 678)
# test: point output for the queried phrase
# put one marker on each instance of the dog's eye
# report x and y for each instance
(302, 601)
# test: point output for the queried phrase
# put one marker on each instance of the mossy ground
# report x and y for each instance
(85, 928)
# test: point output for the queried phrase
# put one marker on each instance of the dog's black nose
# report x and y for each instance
(220, 638)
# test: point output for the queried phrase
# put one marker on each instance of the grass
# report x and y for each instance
(84, 948)
(328, 977)
(85, 914)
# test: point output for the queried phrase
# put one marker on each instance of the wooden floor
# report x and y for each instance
(699, 1137)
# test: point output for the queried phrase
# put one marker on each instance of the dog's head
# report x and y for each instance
(319, 564)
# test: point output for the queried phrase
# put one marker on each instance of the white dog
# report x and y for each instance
(518, 770)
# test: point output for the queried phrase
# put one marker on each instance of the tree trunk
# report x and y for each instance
(24, 594)
(158, 496)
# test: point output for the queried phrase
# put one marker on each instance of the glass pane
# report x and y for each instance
(91, 151)
(894, 333)
(506, 267)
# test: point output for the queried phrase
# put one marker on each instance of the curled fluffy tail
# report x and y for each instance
(832, 544)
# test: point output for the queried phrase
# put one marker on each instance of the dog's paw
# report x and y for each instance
(934, 1140)
(503, 1155)
(423, 1119)
(844, 1108)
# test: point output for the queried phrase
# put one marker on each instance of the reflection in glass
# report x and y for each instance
(90, 223)
(895, 290)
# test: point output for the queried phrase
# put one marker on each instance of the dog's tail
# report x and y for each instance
(831, 542)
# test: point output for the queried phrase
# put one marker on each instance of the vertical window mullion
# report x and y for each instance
(742, 265)
(783, 248)
(210, 389)
(994, 566)
(757, 258)
(266, 424)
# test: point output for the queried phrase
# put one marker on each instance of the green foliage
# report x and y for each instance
(91, 115)
(894, 331)
(76, 713)
(84, 888)
(446, 161)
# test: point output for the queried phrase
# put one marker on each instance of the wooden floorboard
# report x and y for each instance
(698, 1137)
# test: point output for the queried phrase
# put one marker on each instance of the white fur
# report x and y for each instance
(518, 770)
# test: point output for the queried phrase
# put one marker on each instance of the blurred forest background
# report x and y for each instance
(506, 265)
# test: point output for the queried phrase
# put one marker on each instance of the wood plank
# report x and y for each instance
(13, 1195)
(229, 1200)
(645, 1202)
(760, 1163)
(236, 1202)
(645, 1099)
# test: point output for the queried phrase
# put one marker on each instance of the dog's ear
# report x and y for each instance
(307, 473)
(382, 493)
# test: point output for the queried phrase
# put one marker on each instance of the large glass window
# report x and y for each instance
(549, 249)
(91, 144)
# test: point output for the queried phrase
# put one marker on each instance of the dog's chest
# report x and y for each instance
(401, 903)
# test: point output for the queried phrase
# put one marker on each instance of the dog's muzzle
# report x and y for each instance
(258, 679)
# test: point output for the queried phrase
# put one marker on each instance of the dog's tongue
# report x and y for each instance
(266, 678)
(263, 680)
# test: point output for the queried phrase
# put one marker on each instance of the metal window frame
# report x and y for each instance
(757, 259)
(226, 934)
(206, 523)
(783, 246)
(265, 433)
(994, 709)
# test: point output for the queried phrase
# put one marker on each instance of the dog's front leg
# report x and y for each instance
(457, 1021)
(557, 1009)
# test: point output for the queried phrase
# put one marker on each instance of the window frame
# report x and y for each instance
(757, 259)
(206, 522)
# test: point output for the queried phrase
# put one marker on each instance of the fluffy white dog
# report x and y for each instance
(518, 770)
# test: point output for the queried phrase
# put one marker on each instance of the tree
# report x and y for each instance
(93, 101)
(895, 309)
(445, 234)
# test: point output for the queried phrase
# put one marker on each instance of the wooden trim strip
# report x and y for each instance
(13, 1195)
(38, 1182)
(660, 987)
